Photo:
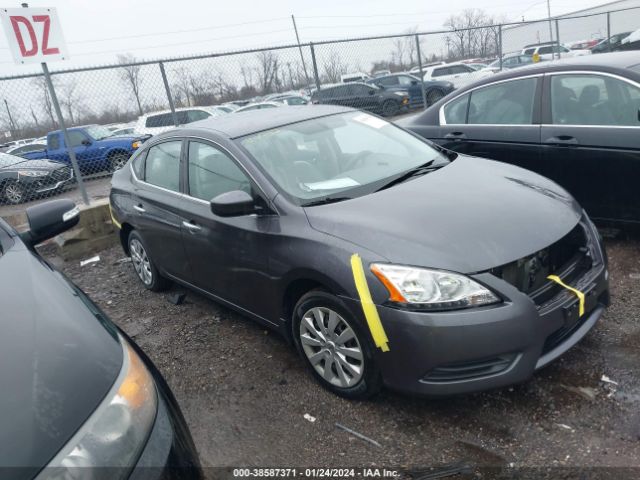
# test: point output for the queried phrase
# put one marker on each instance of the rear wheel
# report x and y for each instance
(334, 346)
(117, 161)
(390, 108)
(433, 96)
(13, 192)
(143, 266)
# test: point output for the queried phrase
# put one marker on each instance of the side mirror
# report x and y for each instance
(372, 92)
(86, 142)
(233, 204)
(414, 82)
(50, 219)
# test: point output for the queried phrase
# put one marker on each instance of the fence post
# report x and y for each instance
(65, 134)
(315, 66)
(169, 97)
(424, 95)
(500, 45)
(608, 31)
(558, 36)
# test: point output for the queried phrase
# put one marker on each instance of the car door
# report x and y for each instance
(364, 96)
(158, 205)
(227, 254)
(86, 155)
(591, 135)
(499, 121)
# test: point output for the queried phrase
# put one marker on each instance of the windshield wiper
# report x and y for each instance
(325, 201)
(414, 172)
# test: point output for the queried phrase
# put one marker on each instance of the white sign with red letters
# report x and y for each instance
(34, 34)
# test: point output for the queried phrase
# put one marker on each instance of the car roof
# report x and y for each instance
(245, 123)
(180, 109)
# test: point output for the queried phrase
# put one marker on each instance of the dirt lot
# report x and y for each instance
(244, 392)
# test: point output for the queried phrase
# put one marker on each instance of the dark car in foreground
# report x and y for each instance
(384, 260)
(21, 179)
(433, 90)
(575, 121)
(362, 96)
(79, 399)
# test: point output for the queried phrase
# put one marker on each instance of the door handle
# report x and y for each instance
(139, 208)
(456, 135)
(192, 227)
(562, 140)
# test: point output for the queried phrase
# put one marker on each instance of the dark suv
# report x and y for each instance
(364, 97)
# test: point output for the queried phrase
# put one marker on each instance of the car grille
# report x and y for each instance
(61, 174)
(459, 371)
(569, 258)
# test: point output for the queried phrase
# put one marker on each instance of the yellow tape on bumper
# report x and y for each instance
(576, 292)
(113, 219)
(368, 307)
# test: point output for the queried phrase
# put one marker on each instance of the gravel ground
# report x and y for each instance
(244, 391)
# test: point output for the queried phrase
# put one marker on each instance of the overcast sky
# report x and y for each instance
(96, 31)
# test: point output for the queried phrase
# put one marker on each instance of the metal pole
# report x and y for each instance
(558, 36)
(424, 94)
(304, 65)
(500, 45)
(12, 126)
(608, 31)
(315, 67)
(550, 29)
(169, 97)
(65, 134)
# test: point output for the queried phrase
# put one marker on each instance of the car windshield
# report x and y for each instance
(98, 132)
(6, 160)
(345, 155)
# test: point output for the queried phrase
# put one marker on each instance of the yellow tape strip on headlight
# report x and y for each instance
(576, 292)
(113, 219)
(368, 307)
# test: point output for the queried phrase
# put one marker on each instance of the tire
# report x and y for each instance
(433, 96)
(390, 108)
(345, 367)
(117, 161)
(145, 269)
(13, 193)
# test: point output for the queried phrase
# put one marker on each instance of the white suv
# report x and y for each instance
(551, 51)
(158, 122)
(457, 73)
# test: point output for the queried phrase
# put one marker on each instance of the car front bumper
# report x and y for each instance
(464, 351)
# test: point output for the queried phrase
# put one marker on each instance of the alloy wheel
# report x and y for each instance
(118, 161)
(141, 262)
(332, 347)
(13, 193)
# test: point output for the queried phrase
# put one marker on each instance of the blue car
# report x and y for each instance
(433, 90)
(95, 146)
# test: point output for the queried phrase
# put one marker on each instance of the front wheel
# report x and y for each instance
(433, 96)
(143, 266)
(13, 193)
(334, 346)
(390, 108)
(117, 161)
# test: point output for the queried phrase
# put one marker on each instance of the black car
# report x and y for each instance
(610, 44)
(79, 398)
(362, 96)
(433, 90)
(383, 259)
(22, 179)
(576, 121)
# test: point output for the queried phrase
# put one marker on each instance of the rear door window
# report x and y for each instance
(441, 72)
(162, 166)
(53, 141)
(161, 120)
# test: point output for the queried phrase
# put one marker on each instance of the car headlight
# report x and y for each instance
(432, 289)
(116, 432)
(33, 173)
(136, 144)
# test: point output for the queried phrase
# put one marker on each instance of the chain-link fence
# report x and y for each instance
(109, 111)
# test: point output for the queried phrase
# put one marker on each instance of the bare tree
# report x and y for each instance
(182, 87)
(41, 85)
(333, 67)
(69, 98)
(266, 70)
(472, 34)
(130, 74)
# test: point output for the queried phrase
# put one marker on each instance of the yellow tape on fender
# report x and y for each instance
(576, 292)
(368, 307)
(113, 219)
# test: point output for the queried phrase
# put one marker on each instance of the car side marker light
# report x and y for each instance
(368, 307)
(576, 292)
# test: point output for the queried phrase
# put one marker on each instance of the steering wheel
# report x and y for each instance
(358, 159)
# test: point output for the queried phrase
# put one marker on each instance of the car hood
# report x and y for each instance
(58, 360)
(119, 140)
(43, 164)
(469, 216)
